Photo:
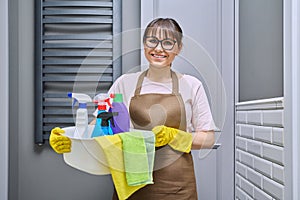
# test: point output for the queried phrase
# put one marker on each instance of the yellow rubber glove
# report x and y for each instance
(162, 135)
(59, 143)
(177, 139)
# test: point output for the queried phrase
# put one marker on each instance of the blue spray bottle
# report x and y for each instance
(81, 123)
(104, 118)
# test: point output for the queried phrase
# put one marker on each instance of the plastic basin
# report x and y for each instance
(86, 154)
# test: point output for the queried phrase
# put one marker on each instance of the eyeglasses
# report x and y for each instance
(152, 42)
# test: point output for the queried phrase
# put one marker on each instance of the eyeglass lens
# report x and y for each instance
(153, 42)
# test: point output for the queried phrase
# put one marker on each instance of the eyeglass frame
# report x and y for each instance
(160, 41)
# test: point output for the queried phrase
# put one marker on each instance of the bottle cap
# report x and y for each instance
(101, 107)
(118, 97)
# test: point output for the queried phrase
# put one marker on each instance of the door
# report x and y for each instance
(207, 54)
(4, 90)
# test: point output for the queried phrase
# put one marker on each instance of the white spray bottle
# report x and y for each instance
(81, 124)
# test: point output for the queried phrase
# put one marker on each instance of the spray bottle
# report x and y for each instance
(81, 124)
(122, 120)
(104, 118)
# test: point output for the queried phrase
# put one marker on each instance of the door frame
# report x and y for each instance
(291, 72)
(4, 85)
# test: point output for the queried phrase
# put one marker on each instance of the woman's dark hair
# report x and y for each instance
(166, 27)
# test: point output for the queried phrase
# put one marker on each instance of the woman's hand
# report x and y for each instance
(162, 135)
(59, 143)
(93, 122)
(203, 140)
(175, 138)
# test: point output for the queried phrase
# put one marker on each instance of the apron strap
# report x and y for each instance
(140, 82)
(175, 88)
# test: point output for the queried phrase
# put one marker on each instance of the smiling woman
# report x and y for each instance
(160, 96)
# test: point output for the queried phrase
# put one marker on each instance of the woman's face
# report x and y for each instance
(160, 49)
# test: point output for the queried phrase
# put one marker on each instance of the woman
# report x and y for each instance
(159, 96)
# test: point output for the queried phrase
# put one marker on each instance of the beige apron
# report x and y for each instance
(173, 171)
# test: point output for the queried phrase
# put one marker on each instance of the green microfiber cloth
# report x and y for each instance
(138, 162)
(149, 139)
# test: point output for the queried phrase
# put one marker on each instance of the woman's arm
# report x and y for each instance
(203, 140)
(93, 122)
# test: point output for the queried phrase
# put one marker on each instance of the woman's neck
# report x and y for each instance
(159, 74)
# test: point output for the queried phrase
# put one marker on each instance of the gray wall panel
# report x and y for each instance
(260, 49)
(37, 172)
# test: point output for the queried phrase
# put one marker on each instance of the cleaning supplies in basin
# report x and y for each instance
(104, 119)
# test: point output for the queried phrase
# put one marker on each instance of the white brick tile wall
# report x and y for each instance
(254, 177)
(261, 195)
(263, 134)
(254, 147)
(246, 158)
(238, 180)
(247, 131)
(247, 187)
(254, 117)
(241, 194)
(273, 188)
(238, 155)
(273, 153)
(241, 143)
(260, 150)
(272, 118)
(278, 173)
(237, 130)
(277, 136)
(241, 169)
(263, 166)
(241, 117)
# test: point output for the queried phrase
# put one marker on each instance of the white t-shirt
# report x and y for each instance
(198, 114)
